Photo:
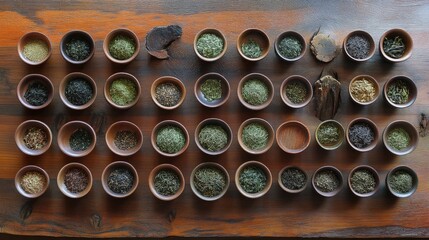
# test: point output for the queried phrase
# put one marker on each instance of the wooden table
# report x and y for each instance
(277, 213)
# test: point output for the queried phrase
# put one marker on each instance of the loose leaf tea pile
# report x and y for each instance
(290, 47)
(255, 92)
(253, 179)
(37, 94)
(122, 47)
(398, 138)
(159, 39)
(394, 47)
(363, 90)
(251, 49)
(35, 138)
(80, 140)
(33, 182)
(123, 91)
(255, 136)
(327, 181)
(170, 139)
(211, 89)
(358, 46)
(126, 140)
(398, 92)
(210, 45)
(363, 181)
(296, 92)
(120, 180)
(168, 94)
(78, 91)
(323, 47)
(166, 182)
(213, 138)
(36, 50)
(293, 178)
(401, 182)
(209, 181)
(361, 135)
(76, 180)
(328, 134)
(77, 49)
(327, 96)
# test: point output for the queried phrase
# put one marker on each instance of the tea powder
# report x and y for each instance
(363, 181)
(211, 89)
(123, 91)
(398, 138)
(209, 181)
(166, 182)
(33, 182)
(168, 94)
(253, 179)
(36, 94)
(255, 136)
(255, 92)
(293, 178)
(210, 45)
(35, 50)
(327, 181)
(78, 91)
(170, 139)
(76, 180)
(120, 180)
(122, 47)
(213, 138)
(401, 182)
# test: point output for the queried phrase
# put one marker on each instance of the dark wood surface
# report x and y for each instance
(277, 213)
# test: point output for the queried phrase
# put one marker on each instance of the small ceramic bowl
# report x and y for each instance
(215, 122)
(255, 164)
(372, 171)
(165, 123)
(117, 127)
(372, 125)
(22, 172)
(29, 37)
(77, 35)
(332, 146)
(407, 40)
(336, 172)
(288, 189)
(414, 183)
(409, 128)
(293, 137)
(218, 34)
(21, 132)
(172, 80)
(263, 79)
(224, 86)
(364, 35)
(61, 180)
(167, 167)
(291, 34)
(65, 133)
(257, 35)
(296, 79)
(116, 165)
(266, 125)
(23, 87)
(121, 75)
(412, 93)
(124, 32)
(72, 76)
(210, 165)
(374, 83)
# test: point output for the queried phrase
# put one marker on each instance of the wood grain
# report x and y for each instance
(275, 214)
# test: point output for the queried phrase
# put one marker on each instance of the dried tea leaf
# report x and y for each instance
(323, 47)
(327, 96)
(159, 39)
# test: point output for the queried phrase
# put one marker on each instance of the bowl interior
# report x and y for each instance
(64, 135)
(263, 79)
(407, 40)
(293, 137)
(412, 91)
(121, 75)
(409, 128)
(61, 180)
(70, 77)
(218, 34)
(119, 165)
(339, 177)
(289, 190)
(266, 125)
(330, 146)
(160, 126)
(29, 37)
(76, 35)
(167, 167)
(123, 32)
(27, 81)
(21, 132)
(296, 80)
(362, 34)
(254, 164)
(22, 172)
(372, 125)
(170, 80)
(371, 171)
(123, 126)
(209, 165)
(215, 122)
(213, 102)
(414, 184)
(257, 36)
(292, 34)
(374, 83)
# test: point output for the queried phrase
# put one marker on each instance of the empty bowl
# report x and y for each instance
(255, 99)
(161, 92)
(212, 90)
(173, 125)
(112, 183)
(210, 144)
(400, 137)
(76, 139)
(206, 55)
(248, 177)
(401, 39)
(255, 43)
(327, 181)
(255, 138)
(72, 96)
(31, 181)
(281, 50)
(77, 47)
(292, 88)
(33, 137)
(124, 138)
(35, 91)
(34, 48)
(395, 88)
(74, 180)
(203, 186)
(358, 37)
(126, 34)
(293, 137)
(362, 181)
(128, 84)
(172, 170)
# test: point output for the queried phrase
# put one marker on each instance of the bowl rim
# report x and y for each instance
(373, 172)
(408, 170)
(168, 79)
(339, 175)
(116, 150)
(80, 124)
(85, 35)
(112, 34)
(26, 169)
(62, 186)
(259, 32)
(369, 78)
(214, 165)
(282, 186)
(152, 176)
(265, 80)
(218, 122)
(72, 76)
(299, 37)
(215, 75)
(298, 78)
(414, 135)
(374, 128)
(268, 127)
(410, 83)
(32, 35)
(340, 142)
(117, 164)
(165, 123)
(302, 126)
(114, 77)
(405, 34)
(218, 33)
(267, 173)
(29, 78)
(370, 39)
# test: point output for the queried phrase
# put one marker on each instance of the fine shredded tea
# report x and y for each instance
(296, 92)
(328, 134)
(363, 90)
(255, 136)
(213, 138)
(78, 91)
(398, 92)
(253, 179)
(80, 140)
(358, 46)
(209, 181)
(398, 138)
(33, 182)
(120, 180)
(363, 181)
(77, 49)
(293, 178)
(166, 182)
(76, 180)
(327, 181)
(290, 47)
(36, 94)
(211, 89)
(126, 140)
(210, 45)
(361, 135)
(122, 47)
(168, 94)
(36, 50)
(401, 182)
(123, 91)
(251, 49)
(394, 47)
(35, 138)
(170, 139)
(255, 92)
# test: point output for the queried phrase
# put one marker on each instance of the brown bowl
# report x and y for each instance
(165, 123)
(224, 85)
(215, 32)
(109, 82)
(410, 129)
(72, 76)
(295, 35)
(216, 122)
(64, 138)
(77, 35)
(23, 87)
(112, 166)
(213, 165)
(61, 180)
(257, 35)
(22, 172)
(125, 32)
(370, 79)
(365, 35)
(113, 130)
(412, 95)
(336, 172)
(414, 185)
(31, 36)
(167, 167)
(21, 132)
(262, 78)
(407, 40)
(341, 133)
(267, 126)
(296, 78)
(293, 137)
(280, 182)
(374, 128)
(257, 165)
(168, 79)
(373, 172)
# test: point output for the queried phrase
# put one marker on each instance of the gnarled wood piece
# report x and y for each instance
(327, 95)
(323, 47)
(159, 39)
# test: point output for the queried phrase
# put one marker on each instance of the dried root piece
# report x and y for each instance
(323, 47)
(327, 96)
(159, 39)
(423, 125)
